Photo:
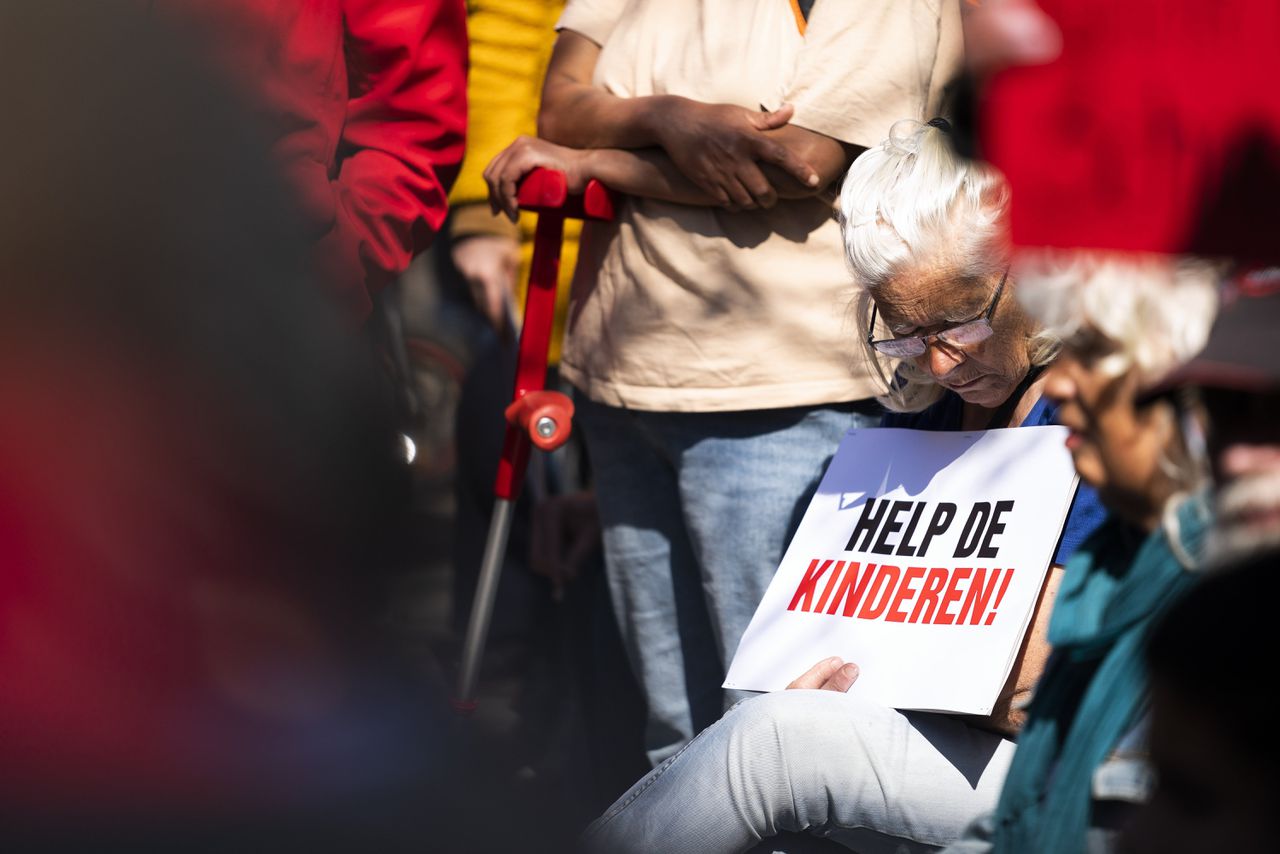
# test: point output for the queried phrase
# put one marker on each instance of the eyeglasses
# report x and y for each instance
(964, 334)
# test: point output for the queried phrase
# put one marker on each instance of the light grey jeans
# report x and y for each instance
(818, 762)
(697, 508)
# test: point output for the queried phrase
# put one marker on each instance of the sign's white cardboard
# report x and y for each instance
(920, 558)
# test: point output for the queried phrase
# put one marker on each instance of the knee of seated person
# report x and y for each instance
(791, 720)
(781, 749)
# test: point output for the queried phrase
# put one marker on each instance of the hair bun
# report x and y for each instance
(905, 136)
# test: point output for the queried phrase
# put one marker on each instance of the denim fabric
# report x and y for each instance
(833, 765)
(697, 509)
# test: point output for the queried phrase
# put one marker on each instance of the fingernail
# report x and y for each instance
(813, 180)
(850, 670)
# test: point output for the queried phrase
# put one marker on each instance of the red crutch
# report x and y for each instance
(536, 416)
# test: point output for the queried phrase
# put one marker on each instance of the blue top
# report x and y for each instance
(1087, 512)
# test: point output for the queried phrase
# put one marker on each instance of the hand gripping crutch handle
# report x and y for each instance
(535, 416)
(546, 193)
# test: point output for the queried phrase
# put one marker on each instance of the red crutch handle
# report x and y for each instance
(545, 192)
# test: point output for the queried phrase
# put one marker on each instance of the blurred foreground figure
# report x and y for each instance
(192, 475)
(1237, 378)
(1148, 126)
(1214, 744)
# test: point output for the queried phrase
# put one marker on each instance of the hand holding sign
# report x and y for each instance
(921, 558)
(830, 674)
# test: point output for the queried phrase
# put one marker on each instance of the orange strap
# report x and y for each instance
(801, 23)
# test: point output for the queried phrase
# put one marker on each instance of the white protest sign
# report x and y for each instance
(920, 558)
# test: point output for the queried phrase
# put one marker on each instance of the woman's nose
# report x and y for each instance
(1057, 383)
(941, 358)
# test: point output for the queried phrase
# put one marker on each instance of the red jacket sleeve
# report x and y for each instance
(402, 140)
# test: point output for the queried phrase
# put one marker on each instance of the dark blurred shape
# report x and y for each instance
(1241, 352)
(1213, 740)
(197, 478)
(1236, 379)
(1156, 128)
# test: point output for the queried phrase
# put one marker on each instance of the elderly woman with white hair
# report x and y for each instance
(926, 237)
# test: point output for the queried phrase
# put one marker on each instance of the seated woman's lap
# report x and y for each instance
(837, 765)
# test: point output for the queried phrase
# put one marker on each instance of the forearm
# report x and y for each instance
(581, 116)
(576, 113)
(648, 173)
(828, 158)
(740, 158)
(402, 137)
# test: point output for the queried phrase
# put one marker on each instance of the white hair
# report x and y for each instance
(912, 202)
(1153, 311)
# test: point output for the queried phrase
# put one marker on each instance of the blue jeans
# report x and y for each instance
(832, 765)
(697, 509)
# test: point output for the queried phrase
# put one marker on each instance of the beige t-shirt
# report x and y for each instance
(680, 308)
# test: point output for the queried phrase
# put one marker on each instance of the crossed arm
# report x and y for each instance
(664, 146)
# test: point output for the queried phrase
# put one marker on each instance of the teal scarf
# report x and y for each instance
(1093, 690)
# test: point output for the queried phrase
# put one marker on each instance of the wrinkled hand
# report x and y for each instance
(504, 172)
(489, 263)
(720, 148)
(830, 674)
(565, 532)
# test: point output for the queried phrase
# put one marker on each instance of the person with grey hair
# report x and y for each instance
(926, 236)
(1125, 321)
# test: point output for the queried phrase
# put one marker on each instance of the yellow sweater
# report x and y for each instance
(511, 43)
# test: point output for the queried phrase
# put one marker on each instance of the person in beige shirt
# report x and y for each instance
(709, 333)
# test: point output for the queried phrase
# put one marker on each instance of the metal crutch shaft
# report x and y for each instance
(535, 416)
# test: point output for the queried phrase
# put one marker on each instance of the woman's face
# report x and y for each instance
(1117, 446)
(920, 301)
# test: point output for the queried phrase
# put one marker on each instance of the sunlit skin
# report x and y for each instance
(1116, 446)
(921, 300)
